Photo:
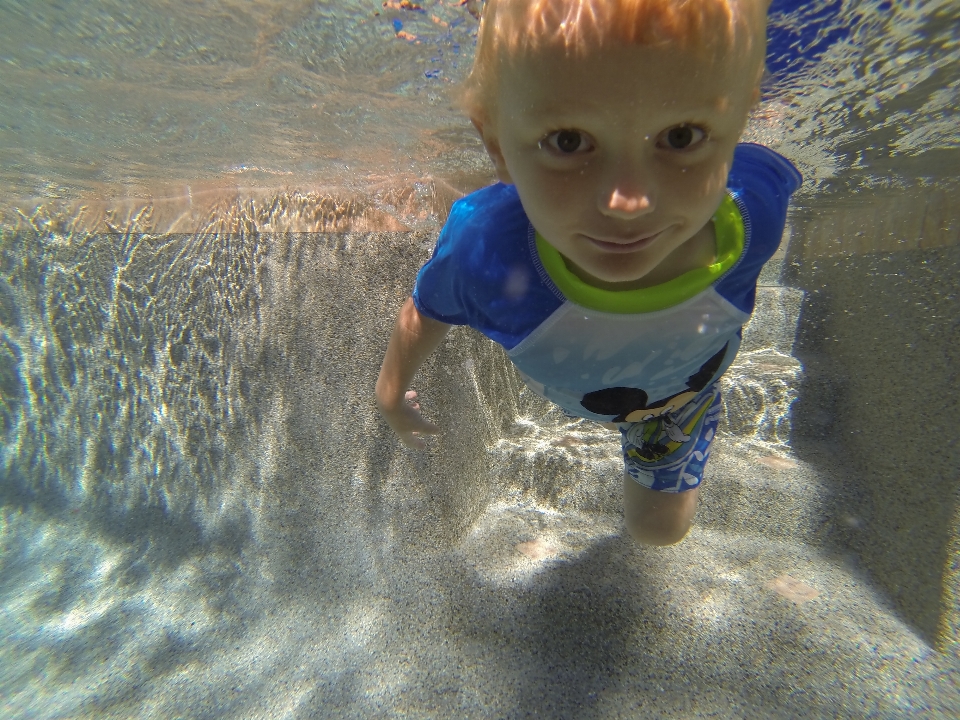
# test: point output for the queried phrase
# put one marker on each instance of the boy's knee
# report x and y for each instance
(657, 518)
(658, 531)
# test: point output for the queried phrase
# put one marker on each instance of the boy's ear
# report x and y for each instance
(492, 145)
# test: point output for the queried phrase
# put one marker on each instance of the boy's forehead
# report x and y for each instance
(547, 76)
(656, 84)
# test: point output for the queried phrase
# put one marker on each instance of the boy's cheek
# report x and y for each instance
(552, 200)
(714, 182)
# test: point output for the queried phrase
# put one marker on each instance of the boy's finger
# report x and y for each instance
(414, 438)
(412, 441)
(427, 428)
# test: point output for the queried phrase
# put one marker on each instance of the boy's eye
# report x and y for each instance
(682, 137)
(567, 142)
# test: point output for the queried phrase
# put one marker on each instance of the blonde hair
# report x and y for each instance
(510, 28)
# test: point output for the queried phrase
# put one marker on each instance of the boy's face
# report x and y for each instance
(621, 158)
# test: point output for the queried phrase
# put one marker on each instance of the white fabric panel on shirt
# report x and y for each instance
(578, 350)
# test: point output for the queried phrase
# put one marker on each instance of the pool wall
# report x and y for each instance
(880, 342)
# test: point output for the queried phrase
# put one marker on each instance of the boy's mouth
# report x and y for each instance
(624, 245)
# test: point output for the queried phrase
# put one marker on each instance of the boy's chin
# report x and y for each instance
(615, 278)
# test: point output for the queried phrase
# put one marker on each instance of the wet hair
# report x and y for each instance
(512, 28)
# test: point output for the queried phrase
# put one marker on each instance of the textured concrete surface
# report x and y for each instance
(880, 340)
(204, 516)
(911, 218)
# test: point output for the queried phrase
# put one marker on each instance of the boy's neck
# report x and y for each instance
(700, 251)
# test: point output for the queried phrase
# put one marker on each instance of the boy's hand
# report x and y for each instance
(414, 337)
(406, 420)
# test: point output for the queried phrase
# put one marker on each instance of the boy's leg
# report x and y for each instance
(654, 517)
(664, 461)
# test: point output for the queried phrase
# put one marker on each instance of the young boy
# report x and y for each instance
(617, 259)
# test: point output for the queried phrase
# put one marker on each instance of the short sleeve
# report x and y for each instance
(482, 272)
(765, 180)
(761, 183)
(436, 293)
(469, 276)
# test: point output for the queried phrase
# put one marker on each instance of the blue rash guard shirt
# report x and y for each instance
(601, 354)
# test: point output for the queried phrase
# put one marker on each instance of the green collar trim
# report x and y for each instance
(729, 229)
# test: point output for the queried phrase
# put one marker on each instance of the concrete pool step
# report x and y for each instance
(534, 613)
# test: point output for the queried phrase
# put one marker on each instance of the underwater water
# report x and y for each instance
(210, 213)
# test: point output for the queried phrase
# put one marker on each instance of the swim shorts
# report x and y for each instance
(668, 453)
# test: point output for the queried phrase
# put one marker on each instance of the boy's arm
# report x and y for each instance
(414, 338)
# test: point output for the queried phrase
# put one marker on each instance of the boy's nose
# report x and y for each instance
(627, 199)
(628, 204)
